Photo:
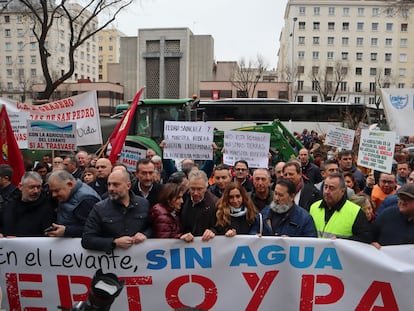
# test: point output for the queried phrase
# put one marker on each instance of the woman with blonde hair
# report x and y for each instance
(236, 213)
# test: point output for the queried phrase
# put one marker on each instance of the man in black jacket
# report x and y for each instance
(306, 192)
(28, 212)
(119, 221)
(144, 185)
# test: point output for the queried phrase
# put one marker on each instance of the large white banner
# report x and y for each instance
(81, 109)
(340, 137)
(240, 273)
(399, 110)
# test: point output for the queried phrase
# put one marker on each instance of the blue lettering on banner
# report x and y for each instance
(159, 260)
(276, 254)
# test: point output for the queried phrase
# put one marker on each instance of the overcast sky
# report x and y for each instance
(240, 28)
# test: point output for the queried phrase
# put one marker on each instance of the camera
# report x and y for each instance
(105, 287)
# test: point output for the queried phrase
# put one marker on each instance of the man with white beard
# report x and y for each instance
(283, 217)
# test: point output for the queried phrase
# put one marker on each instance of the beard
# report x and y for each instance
(116, 196)
(279, 208)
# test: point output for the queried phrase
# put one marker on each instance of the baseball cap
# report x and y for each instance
(407, 190)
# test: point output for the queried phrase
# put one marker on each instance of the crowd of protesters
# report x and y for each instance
(320, 194)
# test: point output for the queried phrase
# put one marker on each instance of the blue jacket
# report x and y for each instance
(298, 223)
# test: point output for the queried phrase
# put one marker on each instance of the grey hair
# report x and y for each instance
(197, 174)
(30, 175)
(62, 176)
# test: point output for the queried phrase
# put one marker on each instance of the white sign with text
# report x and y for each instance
(51, 135)
(188, 140)
(340, 137)
(252, 147)
(130, 156)
(376, 150)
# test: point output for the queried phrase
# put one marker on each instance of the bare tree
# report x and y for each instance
(246, 76)
(327, 81)
(83, 25)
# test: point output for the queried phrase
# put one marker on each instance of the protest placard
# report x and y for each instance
(81, 109)
(51, 135)
(130, 156)
(252, 147)
(192, 140)
(376, 150)
(340, 137)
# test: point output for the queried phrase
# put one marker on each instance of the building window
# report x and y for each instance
(33, 59)
(330, 55)
(342, 99)
(331, 10)
(8, 46)
(374, 41)
(316, 25)
(401, 85)
(300, 85)
(7, 32)
(301, 40)
(314, 99)
(404, 27)
(315, 55)
(404, 12)
(388, 42)
(373, 56)
(359, 56)
(110, 48)
(9, 60)
(100, 48)
(241, 94)
(372, 86)
(315, 40)
(373, 71)
(375, 12)
(374, 26)
(302, 25)
(403, 43)
(360, 26)
(345, 40)
(361, 11)
(358, 71)
(360, 41)
(331, 26)
(343, 86)
(261, 94)
(331, 40)
(301, 69)
(32, 46)
(389, 12)
(403, 57)
(357, 99)
(388, 26)
(302, 10)
(33, 72)
(9, 72)
(345, 26)
(316, 10)
(314, 85)
(10, 86)
(301, 54)
(344, 71)
(315, 70)
(7, 19)
(20, 32)
(387, 71)
(402, 72)
(358, 86)
(344, 55)
(300, 98)
(345, 11)
(388, 57)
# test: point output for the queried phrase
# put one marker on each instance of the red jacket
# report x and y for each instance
(164, 223)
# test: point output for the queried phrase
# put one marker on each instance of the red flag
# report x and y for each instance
(10, 152)
(118, 136)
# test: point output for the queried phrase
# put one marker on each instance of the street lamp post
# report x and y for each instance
(292, 60)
